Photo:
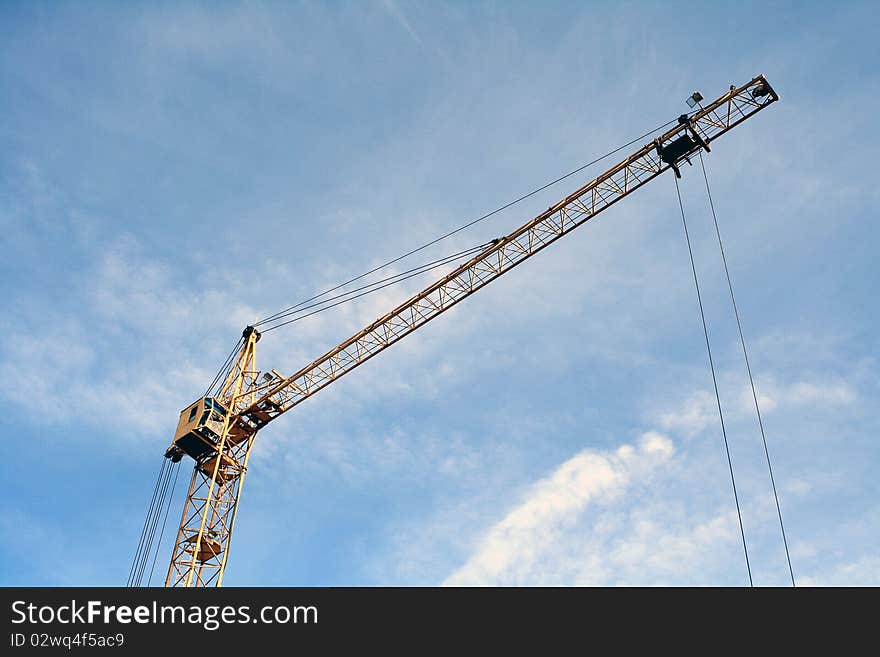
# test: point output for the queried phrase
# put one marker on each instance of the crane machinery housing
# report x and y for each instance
(217, 432)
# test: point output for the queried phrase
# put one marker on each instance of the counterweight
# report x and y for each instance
(219, 432)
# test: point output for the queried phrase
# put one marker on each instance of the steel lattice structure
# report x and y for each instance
(247, 403)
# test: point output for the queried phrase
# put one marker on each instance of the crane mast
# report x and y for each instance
(218, 432)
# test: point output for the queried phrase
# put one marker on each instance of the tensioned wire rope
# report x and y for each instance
(344, 297)
(299, 306)
(376, 286)
(138, 555)
(715, 383)
(159, 503)
(164, 520)
(221, 373)
(280, 314)
(745, 353)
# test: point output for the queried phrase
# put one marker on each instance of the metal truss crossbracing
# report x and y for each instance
(645, 164)
(202, 546)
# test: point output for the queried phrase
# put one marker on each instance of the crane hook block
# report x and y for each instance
(682, 146)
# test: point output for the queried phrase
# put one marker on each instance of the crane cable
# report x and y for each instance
(299, 307)
(223, 372)
(374, 287)
(742, 341)
(464, 226)
(223, 368)
(158, 503)
(164, 520)
(137, 555)
(389, 280)
(715, 383)
(155, 522)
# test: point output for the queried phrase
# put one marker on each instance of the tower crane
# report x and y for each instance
(217, 432)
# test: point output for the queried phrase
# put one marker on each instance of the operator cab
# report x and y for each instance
(200, 426)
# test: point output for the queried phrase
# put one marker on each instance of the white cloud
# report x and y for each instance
(698, 412)
(798, 487)
(643, 514)
(663, 549)
(518, 540)
(810, 393)
(397, 14)
(778, 396)
(863, 571)
(124, 360)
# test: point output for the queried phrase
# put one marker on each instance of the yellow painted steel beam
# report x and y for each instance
(710, 122)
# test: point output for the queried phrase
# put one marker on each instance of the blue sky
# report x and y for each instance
(170, 172)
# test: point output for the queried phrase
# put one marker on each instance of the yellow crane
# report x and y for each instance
(218, 431)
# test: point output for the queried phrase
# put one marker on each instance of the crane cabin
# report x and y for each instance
(200, 427)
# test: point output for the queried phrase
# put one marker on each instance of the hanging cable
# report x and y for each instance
(715, 383)
(135, 562)
(398, 279)
(220, 373)
(401, 276)
(419, 269)
(217, 386)
(176, 468)
(154, 521)
(467, 225)
(745, 353)
(390, 280)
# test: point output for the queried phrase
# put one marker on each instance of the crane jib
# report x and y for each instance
(681, 141)
(218, 432)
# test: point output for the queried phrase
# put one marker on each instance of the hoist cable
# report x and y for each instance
(745, 353)
(350, 298)
(714, 383)
(163, 504)
(396, 278)
(154, 522)
(468, 224)
(148, 524)
(217, 386)
(419, 269)
(176, 468)
(223, 367)
(135, 560)
(137, 555)
(417, 272)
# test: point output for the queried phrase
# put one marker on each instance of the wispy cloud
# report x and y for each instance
(393, 10)
(864, 571)
(512, 546)
(817, 394)
(698, 412)
(623, 516)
